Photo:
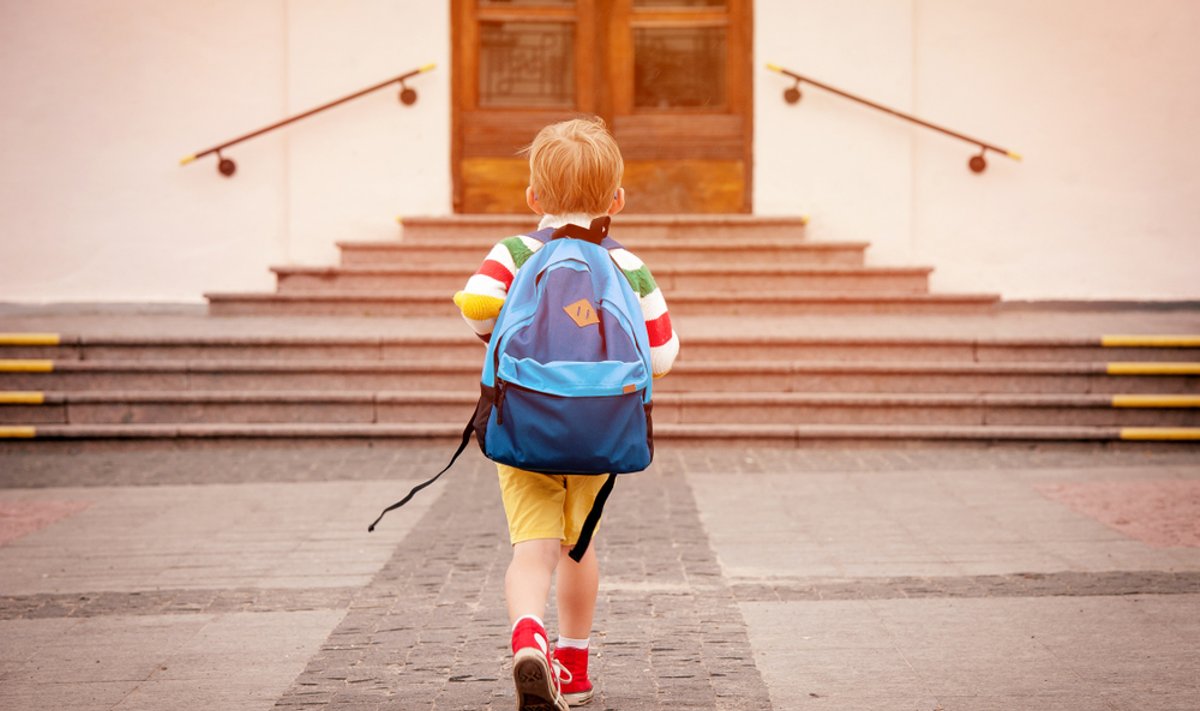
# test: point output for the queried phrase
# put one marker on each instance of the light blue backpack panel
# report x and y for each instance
(567, 381)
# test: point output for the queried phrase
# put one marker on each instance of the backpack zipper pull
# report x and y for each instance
(499, 402)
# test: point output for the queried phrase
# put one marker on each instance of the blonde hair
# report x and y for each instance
(575, 167)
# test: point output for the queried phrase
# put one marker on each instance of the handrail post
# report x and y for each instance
(977, 163)
(226, 166)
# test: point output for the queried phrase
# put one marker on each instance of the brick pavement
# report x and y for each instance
(431, 630)
(106, 463)
(871, 594)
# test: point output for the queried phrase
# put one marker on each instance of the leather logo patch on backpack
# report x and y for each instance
(582, 313)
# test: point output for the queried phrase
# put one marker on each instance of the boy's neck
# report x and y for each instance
(572, 218)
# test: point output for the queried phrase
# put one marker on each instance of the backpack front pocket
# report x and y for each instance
(568, 435)
(574, 379)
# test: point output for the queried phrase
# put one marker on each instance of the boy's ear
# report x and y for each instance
(532, 201)
(618, 202)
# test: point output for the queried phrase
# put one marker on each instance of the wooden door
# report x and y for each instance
(671, 77)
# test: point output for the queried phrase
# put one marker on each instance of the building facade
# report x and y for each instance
(101, 99)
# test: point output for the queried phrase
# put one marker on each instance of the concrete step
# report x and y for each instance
(658, 253)
(728, 228)
(733, 347)
(666, 434)
(1103, 349)
(217, 407)
(251, 348)
(688, 376)
(739, 278)
(682, 303)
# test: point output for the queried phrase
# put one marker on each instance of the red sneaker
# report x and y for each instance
(576, 689)
(534, 672)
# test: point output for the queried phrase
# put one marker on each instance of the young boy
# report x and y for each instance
(575, 175)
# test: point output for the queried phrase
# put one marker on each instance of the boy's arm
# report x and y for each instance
(483, 296)
(664, 342)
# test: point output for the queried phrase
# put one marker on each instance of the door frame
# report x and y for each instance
(604, 29)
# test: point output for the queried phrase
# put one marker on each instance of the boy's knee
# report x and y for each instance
(543, 551)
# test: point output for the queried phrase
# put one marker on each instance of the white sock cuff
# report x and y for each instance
(535, 618)
(568, 643)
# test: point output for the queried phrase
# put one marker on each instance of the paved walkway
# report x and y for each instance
(242, 577)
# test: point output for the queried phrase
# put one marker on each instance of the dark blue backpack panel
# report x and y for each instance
(579, 435)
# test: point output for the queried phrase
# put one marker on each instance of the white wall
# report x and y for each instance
(102, 98)
(353, 171)
(844, 165)
(1101, 96)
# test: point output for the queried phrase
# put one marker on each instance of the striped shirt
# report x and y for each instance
(483, 296)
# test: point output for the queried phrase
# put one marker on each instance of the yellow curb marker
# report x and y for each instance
(1161, 433)
(22, 398)
(1149, 341)
(26, 366)
(17, 432)
(1154, 368)
(30, 339)
(1156, 401)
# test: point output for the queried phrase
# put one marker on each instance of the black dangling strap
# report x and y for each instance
(592, 520)
(594, 234)
(466, 437)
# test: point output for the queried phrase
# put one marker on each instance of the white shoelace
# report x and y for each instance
(562, 673)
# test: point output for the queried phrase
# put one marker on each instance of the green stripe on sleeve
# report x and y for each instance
(641, 279)
(519, 251)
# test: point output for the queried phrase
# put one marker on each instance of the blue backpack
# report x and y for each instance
(567, 382)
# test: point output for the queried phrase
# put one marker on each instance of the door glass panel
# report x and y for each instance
(678, 3)
(526, 64)
(511, 3)
(679, 67)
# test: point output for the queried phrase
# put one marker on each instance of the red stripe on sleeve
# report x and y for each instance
(497, 271)
(659, 330)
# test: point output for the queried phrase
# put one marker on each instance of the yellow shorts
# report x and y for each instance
(546, 505)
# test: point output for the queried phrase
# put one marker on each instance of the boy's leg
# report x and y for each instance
(578, 582)
(578, 585)
(533, 506)
(526, 587)
(527, 582)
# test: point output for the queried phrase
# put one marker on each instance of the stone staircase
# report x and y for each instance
(742, 378)
(774, 267)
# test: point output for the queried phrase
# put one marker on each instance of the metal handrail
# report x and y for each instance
(227, 167)
(977, 163)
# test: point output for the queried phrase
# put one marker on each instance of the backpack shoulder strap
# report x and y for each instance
(592, 520)
(590, 234)
(595, 233)
(466, 437)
